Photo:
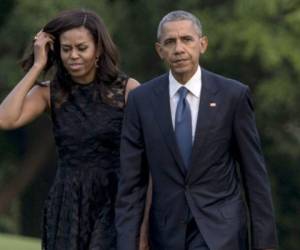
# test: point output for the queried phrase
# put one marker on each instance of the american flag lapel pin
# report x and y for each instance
(212, 104)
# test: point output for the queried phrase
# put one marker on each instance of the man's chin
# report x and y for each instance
(181, 71)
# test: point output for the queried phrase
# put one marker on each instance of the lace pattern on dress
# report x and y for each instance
(114, 94)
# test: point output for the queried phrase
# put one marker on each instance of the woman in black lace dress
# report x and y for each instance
(86, 100)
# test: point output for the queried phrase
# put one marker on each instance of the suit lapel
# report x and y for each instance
(161, 104)
(206, 115)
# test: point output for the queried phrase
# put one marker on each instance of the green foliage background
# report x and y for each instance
(256, 42)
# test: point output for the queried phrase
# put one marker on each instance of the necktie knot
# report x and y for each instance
(183, 91)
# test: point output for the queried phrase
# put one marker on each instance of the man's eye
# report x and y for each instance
(187, 39)
(169, 42)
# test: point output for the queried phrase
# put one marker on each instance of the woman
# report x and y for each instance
(86, 99)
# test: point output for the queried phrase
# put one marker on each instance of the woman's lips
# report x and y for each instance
(75, 66)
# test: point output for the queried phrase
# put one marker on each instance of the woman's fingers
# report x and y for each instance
(43, 38)
(42, 43)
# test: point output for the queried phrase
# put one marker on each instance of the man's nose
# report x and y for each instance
(179, 47)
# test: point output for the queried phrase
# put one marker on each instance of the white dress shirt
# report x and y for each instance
(193, 97)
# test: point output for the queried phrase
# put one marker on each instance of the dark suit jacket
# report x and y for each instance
(211, 190)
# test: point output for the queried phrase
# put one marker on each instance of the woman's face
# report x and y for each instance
(79, 53)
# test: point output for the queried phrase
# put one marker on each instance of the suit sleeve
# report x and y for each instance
(133, 180)
(254, 175)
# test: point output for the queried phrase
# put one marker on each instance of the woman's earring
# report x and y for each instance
(96, 62)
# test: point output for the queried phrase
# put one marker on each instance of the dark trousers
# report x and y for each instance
(194, 239)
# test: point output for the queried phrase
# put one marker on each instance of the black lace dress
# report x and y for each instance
(79, 211)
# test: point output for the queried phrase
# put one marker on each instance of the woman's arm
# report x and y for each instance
(26, 102)
(131, 84)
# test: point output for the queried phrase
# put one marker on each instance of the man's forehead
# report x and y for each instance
(177, 23)
(179, 28)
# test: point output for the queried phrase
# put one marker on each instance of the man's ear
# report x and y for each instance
(158, 49)
(203, 44)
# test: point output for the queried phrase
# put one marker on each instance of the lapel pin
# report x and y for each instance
(212, 104)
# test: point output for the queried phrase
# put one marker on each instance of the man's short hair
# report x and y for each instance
(179, 15)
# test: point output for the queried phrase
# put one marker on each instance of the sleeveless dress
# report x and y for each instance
(79, 210)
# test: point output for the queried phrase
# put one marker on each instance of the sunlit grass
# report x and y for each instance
(13, 242)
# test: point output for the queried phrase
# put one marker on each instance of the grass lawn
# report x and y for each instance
(14, 242)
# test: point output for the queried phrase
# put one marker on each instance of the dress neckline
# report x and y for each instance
(83, 85)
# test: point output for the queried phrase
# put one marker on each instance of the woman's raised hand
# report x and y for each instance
(42, 42)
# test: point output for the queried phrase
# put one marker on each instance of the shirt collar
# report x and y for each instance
(193, 85)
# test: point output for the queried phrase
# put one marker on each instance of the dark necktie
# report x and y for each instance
(183, 126)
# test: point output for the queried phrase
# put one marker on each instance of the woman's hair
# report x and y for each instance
(107, 66)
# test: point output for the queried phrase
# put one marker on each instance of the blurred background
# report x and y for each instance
(253, 41)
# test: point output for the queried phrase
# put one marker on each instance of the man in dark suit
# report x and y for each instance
(195, 132)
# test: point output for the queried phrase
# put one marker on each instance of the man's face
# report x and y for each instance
(180, 46)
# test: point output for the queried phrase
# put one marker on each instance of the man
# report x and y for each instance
(190, 128)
